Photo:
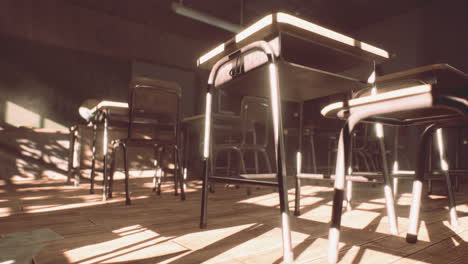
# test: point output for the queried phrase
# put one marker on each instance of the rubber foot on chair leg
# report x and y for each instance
(182, 197)
(128, 202)
(297, 212)
(91, 191)
(411, 238)
(109, 196)
(202, 225)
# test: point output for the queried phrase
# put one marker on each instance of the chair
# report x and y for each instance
(255, 116)
(435, 95)
(154, 109)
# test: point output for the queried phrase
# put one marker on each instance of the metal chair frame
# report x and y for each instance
(158, 145)
(425, 98)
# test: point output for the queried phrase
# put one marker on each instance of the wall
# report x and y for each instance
(54, 54)
(434, 33)
(51, 82)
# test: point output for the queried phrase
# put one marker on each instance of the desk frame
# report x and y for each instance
(261, 46)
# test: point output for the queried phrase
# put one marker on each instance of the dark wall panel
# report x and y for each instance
(52, 81)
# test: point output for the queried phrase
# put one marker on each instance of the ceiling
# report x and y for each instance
(343, 16)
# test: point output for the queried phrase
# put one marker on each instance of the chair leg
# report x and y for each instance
(445, 169)
(176, 172)
(228, 166)
(180, 174)
(297, 202)
(390, 202)
(125, 161)
(395, 160)
(159, 172)
(421, 160)
(111, 174)
(457, 183)
(451, 198)
(71, 155)
(349, 195)
(429, 187)
(93, 162)
(243, 168)
(156, 163)
(342, 159)
(364, 159)
(267, 160)
(104, 179)
(348, 170)
(312, 152)
(104, 164)
(330, 157)
(254, 135)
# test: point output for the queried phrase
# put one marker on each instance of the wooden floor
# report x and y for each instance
(241, 228)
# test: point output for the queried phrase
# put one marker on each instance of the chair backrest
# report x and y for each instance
(255, 116)
(155, 105)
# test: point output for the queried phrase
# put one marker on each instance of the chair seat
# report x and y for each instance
(435, 80)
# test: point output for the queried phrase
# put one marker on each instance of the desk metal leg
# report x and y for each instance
(278, 139)
(297, 202)
(104, 153)
(93, 163)
(280, 161)
(206, 159)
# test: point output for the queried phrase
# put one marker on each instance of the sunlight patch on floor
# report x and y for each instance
(358, 219)
(132, 246)
(320, 214)
(198, 240)
(268, 240)
(364, 255)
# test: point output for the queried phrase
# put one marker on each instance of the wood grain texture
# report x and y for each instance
(241, 229)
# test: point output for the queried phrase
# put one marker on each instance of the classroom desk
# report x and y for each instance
(284, 57)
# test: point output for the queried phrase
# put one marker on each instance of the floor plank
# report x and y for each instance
(241, 228)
